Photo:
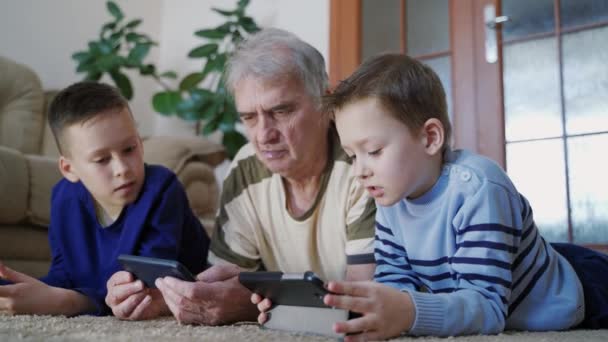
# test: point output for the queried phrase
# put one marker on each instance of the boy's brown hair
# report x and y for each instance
(81, 102)
(410, 91)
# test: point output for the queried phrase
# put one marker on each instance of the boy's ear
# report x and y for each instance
(65, 166)
(433, 135)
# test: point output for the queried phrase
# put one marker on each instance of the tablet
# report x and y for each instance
(149, 269)
(301, 289)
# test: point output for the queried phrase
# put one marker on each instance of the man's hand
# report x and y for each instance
(29, 295)
(387, 312)
(216, 298)
(129, 299)
(263, 304)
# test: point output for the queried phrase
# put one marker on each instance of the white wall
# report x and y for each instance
(44, 34)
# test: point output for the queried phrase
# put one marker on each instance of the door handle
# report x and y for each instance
(492, 22)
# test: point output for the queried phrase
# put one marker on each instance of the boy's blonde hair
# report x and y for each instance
(410, 91)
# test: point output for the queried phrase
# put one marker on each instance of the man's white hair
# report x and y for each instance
(274, 53)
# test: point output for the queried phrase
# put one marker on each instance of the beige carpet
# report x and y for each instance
(86, 328)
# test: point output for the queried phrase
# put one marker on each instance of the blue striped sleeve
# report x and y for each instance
(488, 230)
(392, 264)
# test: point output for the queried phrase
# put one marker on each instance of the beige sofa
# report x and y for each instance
(28, 169)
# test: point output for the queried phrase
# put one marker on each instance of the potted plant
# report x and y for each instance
(119, 47)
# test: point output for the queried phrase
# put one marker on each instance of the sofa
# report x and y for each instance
(28, 169)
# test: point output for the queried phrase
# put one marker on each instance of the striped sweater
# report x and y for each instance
(470, 255)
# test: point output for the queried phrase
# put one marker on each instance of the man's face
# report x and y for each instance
(389, 161)
(106, 155)
(283, 123)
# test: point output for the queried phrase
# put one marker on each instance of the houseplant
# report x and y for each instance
(120, 47)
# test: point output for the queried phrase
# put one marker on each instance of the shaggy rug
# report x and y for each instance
(87, 328)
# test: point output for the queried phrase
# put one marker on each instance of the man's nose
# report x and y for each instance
(267, 130)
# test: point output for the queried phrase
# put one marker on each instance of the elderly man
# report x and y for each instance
(290, 201)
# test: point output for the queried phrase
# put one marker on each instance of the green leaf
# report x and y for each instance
(133, 23)
(148, 69)
(81, 56)
(209, 111)
(242, 3)
(166, 102)
(211, 34)
(168, 74)
(210, 126)
(132, 37)
(224, 12)
(191, 81)
(93, 76)
(114, 10)
(108, 62)
(215, 64)
(248, 24)
(201, 96)
(139, 52)
(233, 141)
(108, 26)
(88, 67)
(203, 50)
(123, 83)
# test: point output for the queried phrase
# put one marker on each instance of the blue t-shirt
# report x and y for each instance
(470, 255)
(160, 223)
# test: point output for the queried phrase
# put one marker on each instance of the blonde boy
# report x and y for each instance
(109, 203)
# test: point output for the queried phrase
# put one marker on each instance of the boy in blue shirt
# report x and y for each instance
(457, 249)
(109, 203)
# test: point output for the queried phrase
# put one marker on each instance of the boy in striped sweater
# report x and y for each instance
(457, 249)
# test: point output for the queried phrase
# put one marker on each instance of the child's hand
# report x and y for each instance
(29, 295)
(387, 312)
(130, 299)
(264, 304)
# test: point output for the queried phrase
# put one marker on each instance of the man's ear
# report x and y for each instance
(65, 166)
(433, 135)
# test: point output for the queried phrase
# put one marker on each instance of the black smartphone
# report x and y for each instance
(149, 269)
(301, 289)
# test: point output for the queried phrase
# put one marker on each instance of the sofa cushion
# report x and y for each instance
(14, 186)
(25, 242)
(21, 106)
(44, 174)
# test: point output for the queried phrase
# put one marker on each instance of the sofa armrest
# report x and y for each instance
(14, 186)
(44, 174)
(193, 160)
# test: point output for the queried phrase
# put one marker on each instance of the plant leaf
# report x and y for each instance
(133, 23)
(81, 56)
(223, 12)
(148, 69)
(168, 74)
(191, 81)
(248, 24)
(139, 52)
(123, 83)
(165, 102)
(211, 33)
(114, 10)
(233, 141)
(203, 50)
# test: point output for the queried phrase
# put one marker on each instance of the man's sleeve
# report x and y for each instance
(360, 220)
(233, 239)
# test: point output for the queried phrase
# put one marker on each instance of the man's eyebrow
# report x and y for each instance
(282, 106)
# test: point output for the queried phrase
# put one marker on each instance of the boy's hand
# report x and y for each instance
(387, 312)
(263, 304)
(29, 295)
(129, 299)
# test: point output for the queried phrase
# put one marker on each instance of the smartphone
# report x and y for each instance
(301, 289)
(149, 269)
